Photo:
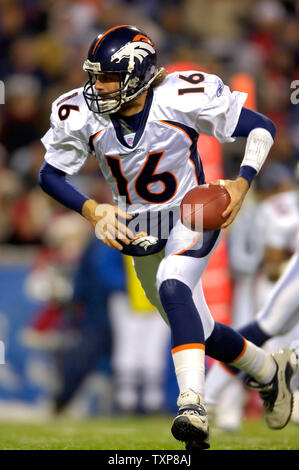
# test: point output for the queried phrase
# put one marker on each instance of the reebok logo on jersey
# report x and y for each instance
(220, 88)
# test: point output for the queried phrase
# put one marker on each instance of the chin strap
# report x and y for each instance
(135, 95)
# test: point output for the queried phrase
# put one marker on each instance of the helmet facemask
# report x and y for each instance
(129, 86)
(104, 102)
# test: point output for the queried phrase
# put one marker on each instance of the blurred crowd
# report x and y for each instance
(42, 47)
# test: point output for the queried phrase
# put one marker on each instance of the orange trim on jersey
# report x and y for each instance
(188, 247)
(96, 135)
(242, 353)
(182, 347)
(103, 35)
(180, 129)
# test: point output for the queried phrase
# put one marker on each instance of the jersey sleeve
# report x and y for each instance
(220, 110)
(66, 142)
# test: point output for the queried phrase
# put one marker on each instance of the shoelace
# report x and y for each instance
(266, 392)
(268, 398)
(192, 412)
(195, 410)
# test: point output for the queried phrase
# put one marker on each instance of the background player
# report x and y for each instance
(276, 222)
(143, 127)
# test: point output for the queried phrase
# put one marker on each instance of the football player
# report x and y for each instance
(278, 317)
(276, 226)
(142, 125)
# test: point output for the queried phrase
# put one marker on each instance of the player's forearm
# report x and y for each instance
(260, 132)
(54, 183)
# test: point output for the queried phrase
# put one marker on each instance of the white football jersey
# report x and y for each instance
(155, 167)
(278, 221)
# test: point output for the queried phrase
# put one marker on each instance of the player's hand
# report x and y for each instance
(108, 228)
(237, 190)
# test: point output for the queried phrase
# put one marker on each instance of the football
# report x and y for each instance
(201, 207)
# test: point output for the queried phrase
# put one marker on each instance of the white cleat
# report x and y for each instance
(191, 423)
(277, 395)
(230, 409)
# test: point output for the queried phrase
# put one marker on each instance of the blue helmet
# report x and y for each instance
(127, 52)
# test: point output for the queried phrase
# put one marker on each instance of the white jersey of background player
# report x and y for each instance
(278, 226)
(153, 165)
(279, 316)
(263, 230)
(276, 233)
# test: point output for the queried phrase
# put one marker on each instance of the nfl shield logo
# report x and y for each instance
(130, 139)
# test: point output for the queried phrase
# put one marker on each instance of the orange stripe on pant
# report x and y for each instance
(188, 346)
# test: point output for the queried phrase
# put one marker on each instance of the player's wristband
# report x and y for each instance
(259, 142)
(247, 172)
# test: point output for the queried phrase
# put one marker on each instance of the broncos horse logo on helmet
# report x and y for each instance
(140, 51)
(127, 52)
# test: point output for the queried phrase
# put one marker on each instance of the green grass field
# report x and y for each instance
(136, 433)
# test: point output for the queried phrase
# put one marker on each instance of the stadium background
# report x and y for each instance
(252, 45)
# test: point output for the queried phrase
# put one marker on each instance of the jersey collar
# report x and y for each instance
(142, 124)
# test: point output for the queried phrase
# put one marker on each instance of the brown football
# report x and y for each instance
(201, 207)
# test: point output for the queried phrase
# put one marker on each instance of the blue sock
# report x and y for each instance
(185, 323)
(224, 344)
(254, 333)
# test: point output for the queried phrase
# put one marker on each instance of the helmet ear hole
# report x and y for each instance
(131, 54)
